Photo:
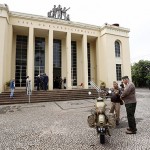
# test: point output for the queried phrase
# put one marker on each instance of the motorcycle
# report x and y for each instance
(99, 119)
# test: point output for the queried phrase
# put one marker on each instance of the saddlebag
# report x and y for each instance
(91, 120)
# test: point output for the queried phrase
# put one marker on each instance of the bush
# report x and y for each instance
(8, 83)
(103, 85)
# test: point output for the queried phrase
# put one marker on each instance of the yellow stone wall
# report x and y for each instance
(102, 47)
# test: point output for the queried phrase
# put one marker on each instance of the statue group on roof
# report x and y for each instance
(59, 13)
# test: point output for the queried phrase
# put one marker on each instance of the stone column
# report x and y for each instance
(98, 61)
(9, 67)
(68, 59)
(85, 61)
(50, 60)
(30, 57)
(2, 49)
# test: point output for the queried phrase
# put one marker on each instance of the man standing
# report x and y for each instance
(12, 88)
(64, 82)
(38, 80)
(128, 96)
(115, 101)
(45, 80)
(27, 81)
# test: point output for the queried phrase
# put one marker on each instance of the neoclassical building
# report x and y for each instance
(32, 44)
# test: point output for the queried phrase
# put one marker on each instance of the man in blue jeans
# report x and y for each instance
(12, 88)
(128, 96)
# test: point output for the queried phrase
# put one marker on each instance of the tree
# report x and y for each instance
(141, 73)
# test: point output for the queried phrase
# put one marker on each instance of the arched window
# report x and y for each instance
(117, 49)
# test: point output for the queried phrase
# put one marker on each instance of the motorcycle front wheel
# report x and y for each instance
(102, 138)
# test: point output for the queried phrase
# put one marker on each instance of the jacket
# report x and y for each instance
(115, 95)
(12, 84)
(128, 95)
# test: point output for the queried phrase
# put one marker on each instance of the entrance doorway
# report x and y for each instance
(57, 64)
(21, 61)
(39, 61)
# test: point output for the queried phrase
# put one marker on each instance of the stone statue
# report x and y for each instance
(54, 10)
(68, 18)
(64, 12)
(59, 13)
(50, 14)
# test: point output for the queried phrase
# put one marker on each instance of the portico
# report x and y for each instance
(80, 52)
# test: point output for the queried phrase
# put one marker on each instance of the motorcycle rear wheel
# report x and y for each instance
(102, 138)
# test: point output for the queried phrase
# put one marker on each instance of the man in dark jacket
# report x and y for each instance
(38, 80)
(45, 80)
(128, 96)
(115, 99)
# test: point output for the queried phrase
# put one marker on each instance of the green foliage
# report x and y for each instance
(102, 85)
(141, 73)
(8, 83)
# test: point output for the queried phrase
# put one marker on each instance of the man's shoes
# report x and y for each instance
(128, 129)
(130, 132)
(117, 122)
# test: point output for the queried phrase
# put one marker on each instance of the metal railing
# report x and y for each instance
(95, 87)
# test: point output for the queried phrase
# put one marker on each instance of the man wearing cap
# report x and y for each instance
(128, 96)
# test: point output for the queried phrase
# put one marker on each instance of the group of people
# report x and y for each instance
(59, 83)
(126, 95)
(42, 82)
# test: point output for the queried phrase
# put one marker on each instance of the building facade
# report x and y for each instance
(32, 44)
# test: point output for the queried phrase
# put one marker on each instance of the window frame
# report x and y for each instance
(117, 49)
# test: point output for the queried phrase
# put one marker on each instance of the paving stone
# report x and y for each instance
(63, 126)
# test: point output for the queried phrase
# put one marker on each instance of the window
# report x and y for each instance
(21, 60)
(117, 49)
(118, 72)
(89, 64)
(74, 63)
(57, 53)
(56, 62)
(39, 60)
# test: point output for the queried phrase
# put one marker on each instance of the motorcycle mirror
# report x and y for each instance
(109, 91)
(89, 93)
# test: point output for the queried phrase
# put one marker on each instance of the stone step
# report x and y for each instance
(47, 96)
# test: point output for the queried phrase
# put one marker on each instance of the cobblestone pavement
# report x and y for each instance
(63, 126)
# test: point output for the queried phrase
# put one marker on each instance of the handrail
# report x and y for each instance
(95, 87)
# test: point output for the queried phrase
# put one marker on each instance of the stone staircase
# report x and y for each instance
(20, 96)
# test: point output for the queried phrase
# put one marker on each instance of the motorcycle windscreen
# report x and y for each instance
(100, 107)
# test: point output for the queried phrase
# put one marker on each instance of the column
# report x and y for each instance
(68, 58)
(98, 61)
(2, 48)
(85, 61)
(50, 60)
(30, 57)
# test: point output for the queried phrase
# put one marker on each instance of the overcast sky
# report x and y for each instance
(132, 14)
